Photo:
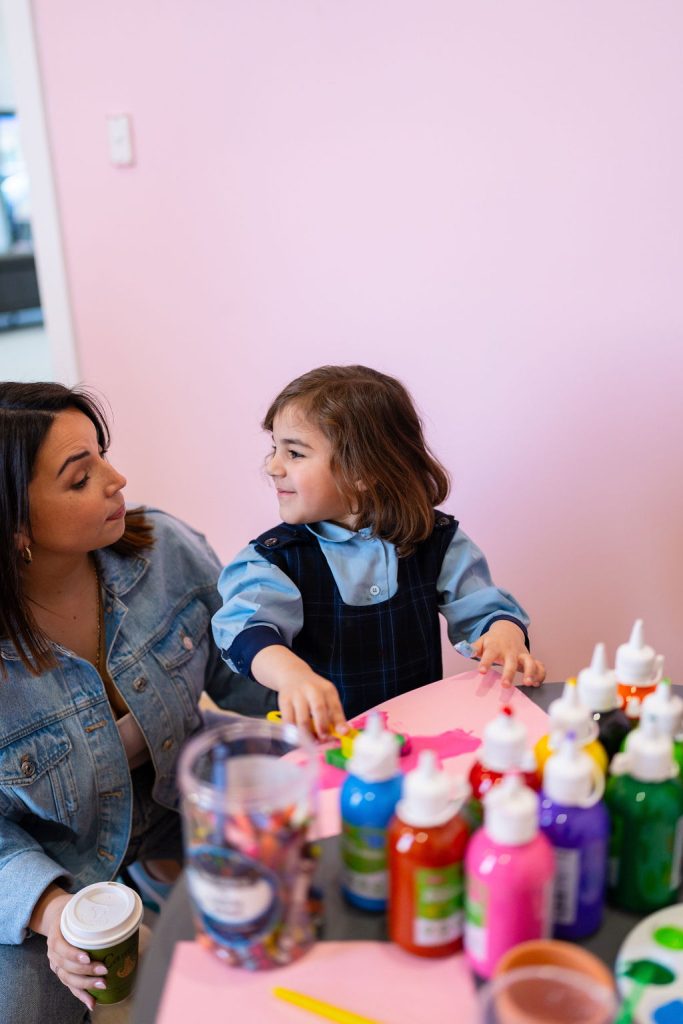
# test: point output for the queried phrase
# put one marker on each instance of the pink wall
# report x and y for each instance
(484, 199)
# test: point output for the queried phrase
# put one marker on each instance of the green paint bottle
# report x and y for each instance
(644, 797)
(667, 710)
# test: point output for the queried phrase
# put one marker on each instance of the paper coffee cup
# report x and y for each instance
(103, 920)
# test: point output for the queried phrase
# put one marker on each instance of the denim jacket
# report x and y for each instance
(65, 784)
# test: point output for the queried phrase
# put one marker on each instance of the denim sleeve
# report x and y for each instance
(468, 598)
(201, 568)
(261, 607)
(25, 873)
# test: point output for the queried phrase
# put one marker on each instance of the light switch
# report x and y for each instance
(120, 140)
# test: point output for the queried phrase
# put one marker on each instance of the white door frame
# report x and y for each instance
(17, 18)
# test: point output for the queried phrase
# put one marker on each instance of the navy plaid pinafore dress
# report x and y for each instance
(374, 652)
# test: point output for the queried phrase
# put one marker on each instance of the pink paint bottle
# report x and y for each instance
(509, 869)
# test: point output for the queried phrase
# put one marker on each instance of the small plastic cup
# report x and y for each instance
(545, 994)
(103, 920)
(248, 799)
(556, 953)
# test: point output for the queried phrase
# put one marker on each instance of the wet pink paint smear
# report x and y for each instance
(444, 744)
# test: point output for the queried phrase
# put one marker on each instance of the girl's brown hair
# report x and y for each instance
(380, 458)
(27, 412)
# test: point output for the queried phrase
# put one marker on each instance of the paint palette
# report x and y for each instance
(649, 968)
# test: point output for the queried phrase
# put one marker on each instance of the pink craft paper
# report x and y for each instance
(449, 716)
(375, 979)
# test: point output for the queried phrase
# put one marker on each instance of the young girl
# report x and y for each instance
(336, 609)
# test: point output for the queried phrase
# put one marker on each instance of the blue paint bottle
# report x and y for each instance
(575, 820)
(368, 799)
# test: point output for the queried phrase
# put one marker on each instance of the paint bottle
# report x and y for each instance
(505, 748)
(427, 840)
(632, 711)
(575, 820)
(638, 669)
(368, 800)
(569, 714)
(508, 877)
(597, 689)
(644, 798)
(666, 709)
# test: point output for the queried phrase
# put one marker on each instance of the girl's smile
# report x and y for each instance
(301, 470)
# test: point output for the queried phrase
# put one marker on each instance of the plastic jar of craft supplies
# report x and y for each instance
(248, 799)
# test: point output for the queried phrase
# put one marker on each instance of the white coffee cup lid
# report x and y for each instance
(101, 915)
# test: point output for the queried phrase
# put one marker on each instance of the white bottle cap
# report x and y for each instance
(571, 777)
(427, 794)
(665, 708)
(568, 714)
(511, 812)
(649, 754)
(597, 685)
(636, 663)
(375, 752)
(504, 742)
(100, 915)
(633, 708)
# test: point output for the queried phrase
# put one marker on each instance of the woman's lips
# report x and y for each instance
(118, 514)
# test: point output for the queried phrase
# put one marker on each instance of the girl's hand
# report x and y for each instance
(302, 694)
(307, 697)
(72, 966)
(503, 644)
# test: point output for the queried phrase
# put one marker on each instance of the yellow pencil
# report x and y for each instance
(326, 1010)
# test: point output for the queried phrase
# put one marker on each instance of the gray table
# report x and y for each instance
(341, 921)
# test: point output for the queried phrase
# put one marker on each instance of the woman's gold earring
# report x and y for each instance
(26, 555)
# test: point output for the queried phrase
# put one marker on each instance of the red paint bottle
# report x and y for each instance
(505, 748)
(426, 842)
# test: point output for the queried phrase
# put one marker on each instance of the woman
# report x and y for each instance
(104, 650)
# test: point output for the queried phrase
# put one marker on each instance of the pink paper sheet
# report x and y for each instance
(375, 979)
(453, 712)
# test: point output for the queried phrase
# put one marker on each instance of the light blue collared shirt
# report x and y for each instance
(365, 569)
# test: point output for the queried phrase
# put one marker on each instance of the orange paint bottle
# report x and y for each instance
(426, 843)
(637, 668)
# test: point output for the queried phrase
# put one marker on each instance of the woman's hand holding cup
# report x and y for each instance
(73, 967)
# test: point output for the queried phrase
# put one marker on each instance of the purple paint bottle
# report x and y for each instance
(575, 820)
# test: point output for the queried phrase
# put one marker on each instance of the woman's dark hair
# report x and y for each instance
(379, 455)
(26, 415)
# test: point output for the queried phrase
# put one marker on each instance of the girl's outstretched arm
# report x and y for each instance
(302, 694)
(503, 644)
